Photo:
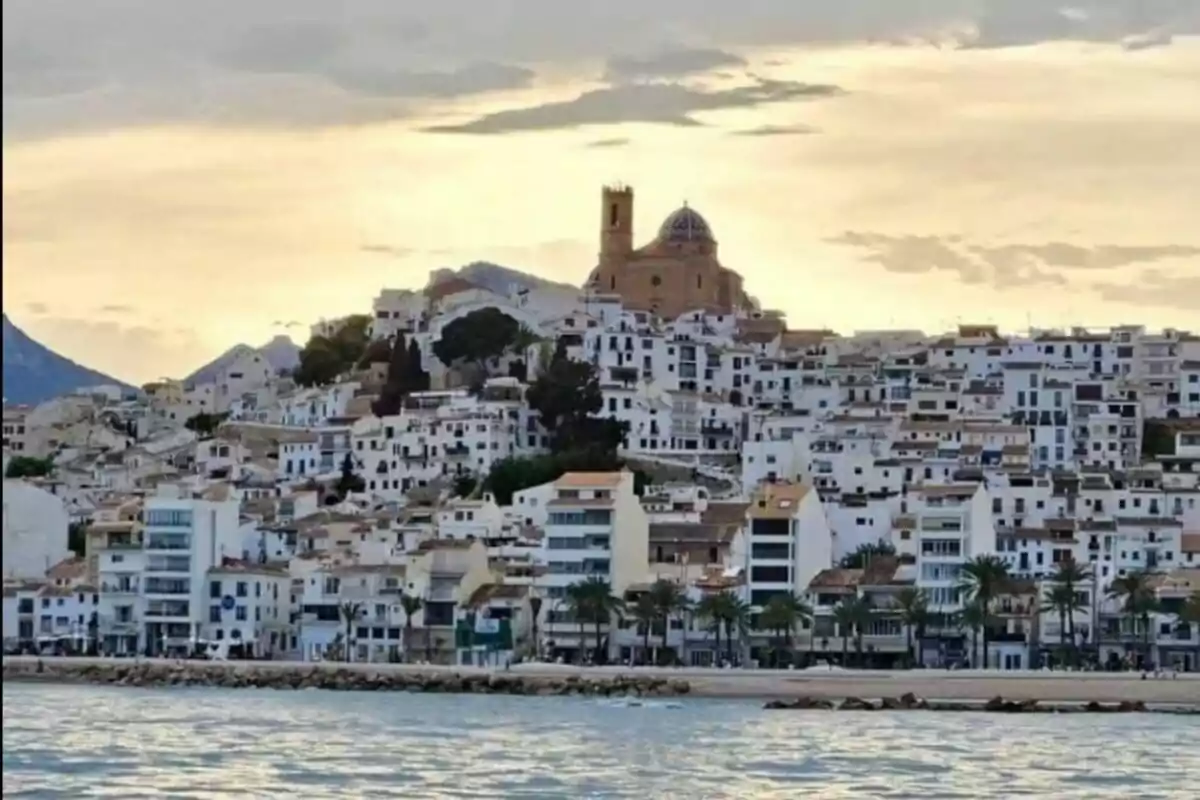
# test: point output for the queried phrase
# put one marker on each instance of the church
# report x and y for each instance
(675, 273)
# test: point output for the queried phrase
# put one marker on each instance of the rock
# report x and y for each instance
(995, 704)
(856, 704)
(1128, 706)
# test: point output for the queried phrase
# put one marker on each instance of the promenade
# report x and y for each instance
(962, 685)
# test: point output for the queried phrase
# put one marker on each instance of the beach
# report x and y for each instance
(962, 685)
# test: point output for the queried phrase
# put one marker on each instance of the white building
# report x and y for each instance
(35, 530)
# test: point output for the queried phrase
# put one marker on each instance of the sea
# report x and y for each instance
(100, 741)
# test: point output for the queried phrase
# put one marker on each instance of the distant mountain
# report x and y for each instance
(281, 353)
(493, 277)
(33, 373)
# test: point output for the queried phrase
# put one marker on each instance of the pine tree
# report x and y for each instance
(395, 385)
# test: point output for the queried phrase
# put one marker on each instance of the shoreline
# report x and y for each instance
(966, 686)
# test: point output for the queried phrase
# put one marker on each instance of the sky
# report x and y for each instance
(182, 176)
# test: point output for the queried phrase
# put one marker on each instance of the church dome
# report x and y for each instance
(685, 225)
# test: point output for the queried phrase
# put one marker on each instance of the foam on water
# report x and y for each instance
(99, 741)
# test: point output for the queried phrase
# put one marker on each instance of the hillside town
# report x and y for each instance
(653, 468)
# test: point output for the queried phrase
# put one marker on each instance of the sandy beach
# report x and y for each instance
(965, 685)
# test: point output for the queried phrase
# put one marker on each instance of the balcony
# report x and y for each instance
(126, 587)
(458, 451)
(169, 542)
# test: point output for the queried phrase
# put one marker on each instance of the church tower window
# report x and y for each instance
(655, 281)
(612, 282)
(614, 214)
(699, 281)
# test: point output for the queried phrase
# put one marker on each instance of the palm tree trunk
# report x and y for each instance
(975, 649)
(596, 656)
(646, 644)
(908, 643)
(717, 646)
(582, 642)
(729, 640)
(1062, 631)
(845, 649)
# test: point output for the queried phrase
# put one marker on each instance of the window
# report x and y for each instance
(214, 589)
(240, 613)
(214, 613)
(241, 589)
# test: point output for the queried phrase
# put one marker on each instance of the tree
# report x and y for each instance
(913, 605)
(535, 610)
(464, 485)
(205, 424)
(725, 610)
(324, 358)
(864, 553)
(93, 634)
(77, 537)
(984, 579)
(1189, 616)
(668, 599)
(349, 612)
(395, 385)
(592, 601)
(1068, 574)
(29, 467)
(781, 616)
(973, 618)
(1138, 602)
(418, 378)
(349, 482)
(411, 605)
(479, 338)
(379, 351)
(645, 613)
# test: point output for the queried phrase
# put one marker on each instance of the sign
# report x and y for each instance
(487, 626)
(227, 602)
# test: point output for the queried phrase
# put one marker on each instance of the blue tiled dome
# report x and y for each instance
(685, 225)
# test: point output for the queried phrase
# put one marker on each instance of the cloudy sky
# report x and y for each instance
(179, 176)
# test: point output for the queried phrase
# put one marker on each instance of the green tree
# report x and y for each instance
(566, 395)
(348, 481)
(670, 600)
(984, 578)
(418, 378)
(645, 613)
(1068, 574)
(350, 613)
(725, 610)
(411, 605)
(973, 618)
(379, 351)
(913, 605)
(592, 601)
(479, 338)
(205, 424)
(1135, 590)
(863, 554)
(324, 358)
(1189, 618)
(77, 537)
(29, 467)
(782, 614)
(395, 385)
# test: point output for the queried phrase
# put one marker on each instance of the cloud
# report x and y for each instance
(1154, 288)
(605, 143)
(37, 308)
(662, 103)
(1002, 266)
(388, 250)
(670, 64)
(116, 309)
(776, 130)
(107, 63)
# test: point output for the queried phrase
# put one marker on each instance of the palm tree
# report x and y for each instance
(645, 612)
(974, 617)
(1189, 615)
(349, 612)
(669, 599)
(709, 611)
(736, 613)
(1062, 601)
(535, 610)
(913, 605)
(781, 615)
(410, 604)
(1069, 574)
(592, 601)
(845, 614)
(984, 579)
(1136, 594)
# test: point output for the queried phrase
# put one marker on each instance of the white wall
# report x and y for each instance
(35, 530)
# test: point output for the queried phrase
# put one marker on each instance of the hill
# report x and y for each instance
(33, 373)
(281, 353)
(493, 277)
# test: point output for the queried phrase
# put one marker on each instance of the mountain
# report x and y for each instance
(493, 277)
(33, 373)
(281, 353)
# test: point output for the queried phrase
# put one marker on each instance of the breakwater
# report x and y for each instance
(249, 675)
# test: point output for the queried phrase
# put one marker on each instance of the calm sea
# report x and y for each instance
(74, 741)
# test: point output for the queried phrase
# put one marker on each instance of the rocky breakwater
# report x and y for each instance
(910, 702)
(239, 675)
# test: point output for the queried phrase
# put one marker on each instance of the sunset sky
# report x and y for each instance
(182, 176)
